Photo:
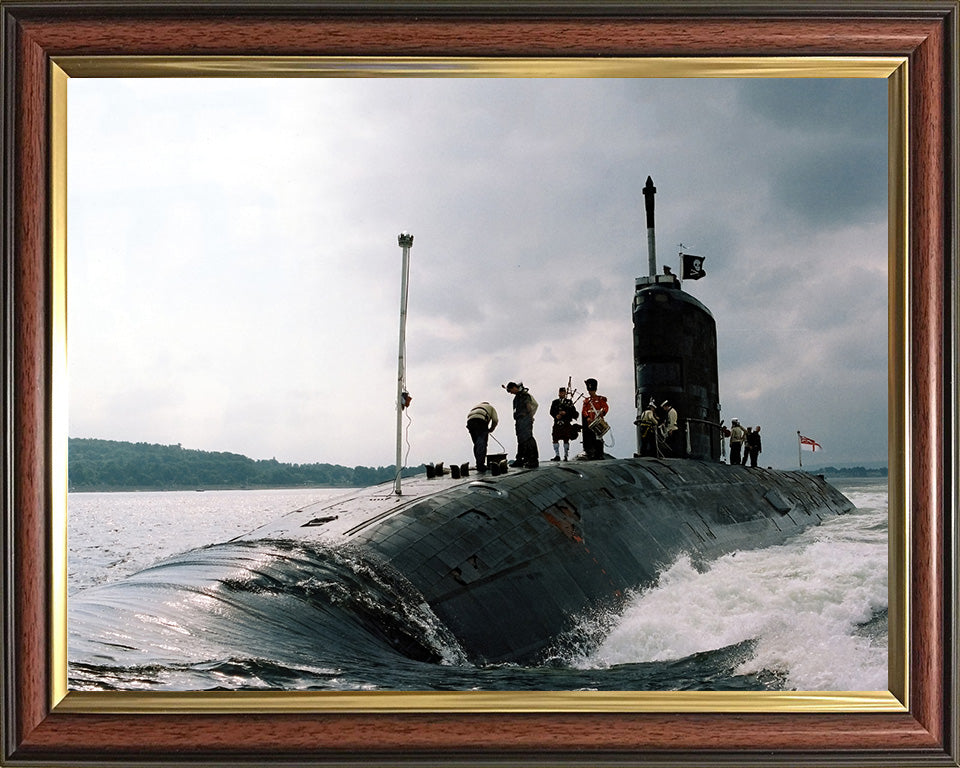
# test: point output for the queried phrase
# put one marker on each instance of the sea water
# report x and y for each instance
(809, 614)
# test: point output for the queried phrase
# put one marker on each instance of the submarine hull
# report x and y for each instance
(513, 564)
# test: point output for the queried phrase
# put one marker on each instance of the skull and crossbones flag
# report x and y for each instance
(692, 267)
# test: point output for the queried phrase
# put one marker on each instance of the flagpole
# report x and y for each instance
(799, 450)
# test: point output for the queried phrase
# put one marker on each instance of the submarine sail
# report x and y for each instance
(675, 359)
(675, 354)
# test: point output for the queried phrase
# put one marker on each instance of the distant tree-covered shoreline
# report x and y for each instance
(113, 465)
(850, 471)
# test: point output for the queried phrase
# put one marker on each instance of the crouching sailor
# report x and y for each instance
(481, 421)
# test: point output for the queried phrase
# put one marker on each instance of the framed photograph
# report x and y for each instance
(136, 49)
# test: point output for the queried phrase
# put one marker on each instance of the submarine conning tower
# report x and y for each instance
(675, 352)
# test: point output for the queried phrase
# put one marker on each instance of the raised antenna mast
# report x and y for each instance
(405, 240)
(648, 193)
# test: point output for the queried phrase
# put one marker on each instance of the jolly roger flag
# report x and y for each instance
(692, 267)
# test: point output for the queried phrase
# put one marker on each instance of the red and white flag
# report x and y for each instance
(809, 444)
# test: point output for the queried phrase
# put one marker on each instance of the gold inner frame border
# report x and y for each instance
(895, 699)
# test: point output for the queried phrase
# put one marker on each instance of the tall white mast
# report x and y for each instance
(405, 240)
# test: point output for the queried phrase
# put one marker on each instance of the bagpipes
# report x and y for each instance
(572, 398)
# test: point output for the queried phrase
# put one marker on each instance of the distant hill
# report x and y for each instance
(850, 471)
(111, 465)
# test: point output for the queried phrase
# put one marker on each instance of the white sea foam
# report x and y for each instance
(803, 602)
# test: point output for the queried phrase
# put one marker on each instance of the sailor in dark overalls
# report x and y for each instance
(754, 446)
(524, 407)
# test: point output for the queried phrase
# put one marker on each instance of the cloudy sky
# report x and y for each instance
(234, 273)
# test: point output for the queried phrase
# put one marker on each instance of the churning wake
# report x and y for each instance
(813, 610)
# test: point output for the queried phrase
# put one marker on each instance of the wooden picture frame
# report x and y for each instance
(36, 34)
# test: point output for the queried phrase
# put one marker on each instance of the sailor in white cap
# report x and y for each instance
(648, 429)
(737, 436)
(670, 428)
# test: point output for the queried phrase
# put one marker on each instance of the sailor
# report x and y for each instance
(648, 430)
(746, 442)
(592, 412)
(671, 432)
(754, 446)
(524, 407)
(564, 412)
(737, 435)
(481, 421)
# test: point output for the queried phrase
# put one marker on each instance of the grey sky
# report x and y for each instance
(234, 274)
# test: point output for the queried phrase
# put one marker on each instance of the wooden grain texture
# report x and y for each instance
(929, 352)
(523, 734)
(29, 363)
(42, 30)
(471, 37)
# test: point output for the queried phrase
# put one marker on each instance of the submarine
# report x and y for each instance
(515, 564)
